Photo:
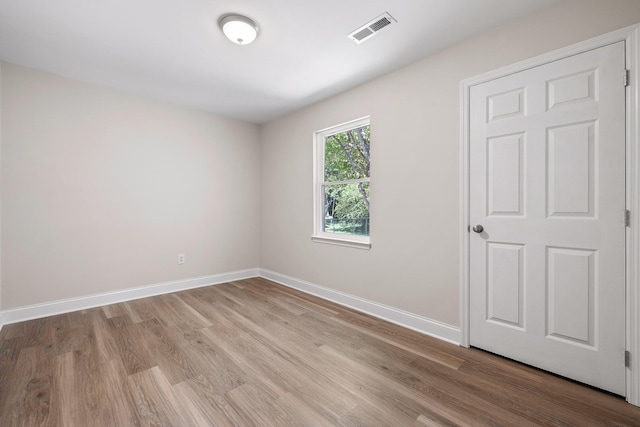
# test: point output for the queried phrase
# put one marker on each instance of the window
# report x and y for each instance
(341, 190)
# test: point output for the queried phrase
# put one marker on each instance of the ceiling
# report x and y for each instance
(173, 49)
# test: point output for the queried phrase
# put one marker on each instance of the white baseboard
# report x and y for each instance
(408, 320)
(82, 303)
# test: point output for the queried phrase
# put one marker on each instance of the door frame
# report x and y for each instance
(631, 36)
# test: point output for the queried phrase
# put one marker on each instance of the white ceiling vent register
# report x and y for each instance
(371, 28)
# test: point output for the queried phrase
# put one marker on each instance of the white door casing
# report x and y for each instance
(631, 37)
(547, 183)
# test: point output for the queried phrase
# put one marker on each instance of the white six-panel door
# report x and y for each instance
(547, 185)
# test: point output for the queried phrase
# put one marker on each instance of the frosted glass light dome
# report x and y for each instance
(239, 29)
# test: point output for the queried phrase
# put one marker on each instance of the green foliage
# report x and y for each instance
(346, 155)
(358, 226)
(349, 201)
(347, 158)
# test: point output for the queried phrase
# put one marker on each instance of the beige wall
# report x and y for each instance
(102, 190)
(414, 261)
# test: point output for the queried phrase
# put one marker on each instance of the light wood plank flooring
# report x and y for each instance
(253, 353)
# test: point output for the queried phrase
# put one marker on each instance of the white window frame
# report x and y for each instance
(319, 138)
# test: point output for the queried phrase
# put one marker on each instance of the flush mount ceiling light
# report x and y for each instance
(239, 29)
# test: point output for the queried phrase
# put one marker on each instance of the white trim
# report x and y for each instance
(630, 35)
(343, 127)
(36, 311)
(342, 242)
(633, 200)
(1, 66)
(402, 318)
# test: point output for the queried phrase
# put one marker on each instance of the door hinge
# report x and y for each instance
(627, 359)
(626, 77)
(627, 218)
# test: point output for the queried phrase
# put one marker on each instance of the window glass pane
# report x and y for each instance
(346, 155)
(346, 208)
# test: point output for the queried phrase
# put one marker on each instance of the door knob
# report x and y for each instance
(478, 228)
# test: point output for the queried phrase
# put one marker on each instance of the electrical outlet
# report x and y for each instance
(181, 259)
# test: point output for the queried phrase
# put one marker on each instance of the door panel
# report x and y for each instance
(547, 182)
(570, 293)
(571, 167)
(505, 175)
(507, 104)
(504, 284)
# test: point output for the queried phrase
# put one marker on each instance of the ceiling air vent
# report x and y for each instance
(371, 28)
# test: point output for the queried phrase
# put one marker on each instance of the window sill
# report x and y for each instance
(342, 242)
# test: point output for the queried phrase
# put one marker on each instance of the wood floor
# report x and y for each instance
(253, 353)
